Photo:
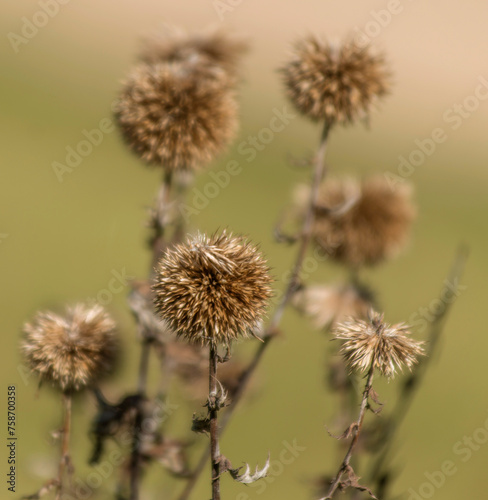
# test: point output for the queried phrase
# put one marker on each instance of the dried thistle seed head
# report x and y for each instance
(335, 84)
(71, 351)
(328, 305)
(212, 289)
(363, 223)
(387, 347)
(216, 47)
(177, 115)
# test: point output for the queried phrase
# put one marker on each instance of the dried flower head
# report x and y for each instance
(363, 223)
(216, 47)
(177, 115)
(212, 289)
(374, 342)
(328, 305)
(335, 84)
(71, 351)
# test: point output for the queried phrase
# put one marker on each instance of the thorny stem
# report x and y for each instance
(65, 460)
(356, 432)
(214, 429)
(291, 287)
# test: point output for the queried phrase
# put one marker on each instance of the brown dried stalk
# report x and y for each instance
(305, 238)
(65, 460)
(212, 415)
(356, 427)
(159, 222)
(160, 218)
(65, 464)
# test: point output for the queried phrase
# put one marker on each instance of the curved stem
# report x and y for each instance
(293, 282)
(357, 431)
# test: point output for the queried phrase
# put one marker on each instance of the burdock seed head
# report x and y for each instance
(363, 223)
(212, 289)
(216, 47)
(387, 347)
(177, 115)
(71, 351)
(335, 84)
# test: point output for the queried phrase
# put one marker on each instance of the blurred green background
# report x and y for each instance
(61, 241)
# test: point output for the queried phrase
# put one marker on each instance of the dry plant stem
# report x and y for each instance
(160, 218)
(65, 461)
(306, 233)
(214, 429)
(357, 431)
(414, 380)
(294, 281)
(159, 225)
(135, 459)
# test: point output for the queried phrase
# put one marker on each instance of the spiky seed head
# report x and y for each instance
(363, 223)
(177, 115)
(338, 84)
(72, 351)
(328, 305)
(388, 347)
(211, 47)
(212, 289)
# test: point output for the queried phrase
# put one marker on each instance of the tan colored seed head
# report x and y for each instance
(177, 115)
(71, 351)
(363, 223)
(329, 305)
(388, 347)
(215, 47)
(335, 84)
(212, 289)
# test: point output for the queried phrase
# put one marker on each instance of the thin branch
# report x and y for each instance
(159, 223)
(291, 287)
(344, 468)
(378, 469)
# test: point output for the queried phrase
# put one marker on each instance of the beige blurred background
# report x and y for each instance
(62, 241)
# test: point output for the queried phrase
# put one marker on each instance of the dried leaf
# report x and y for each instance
(346, 434)
(200, 425)
(217, 400)
(352, 481)
(374, 396)
(247, 477)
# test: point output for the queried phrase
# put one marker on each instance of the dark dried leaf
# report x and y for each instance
(200, 425)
